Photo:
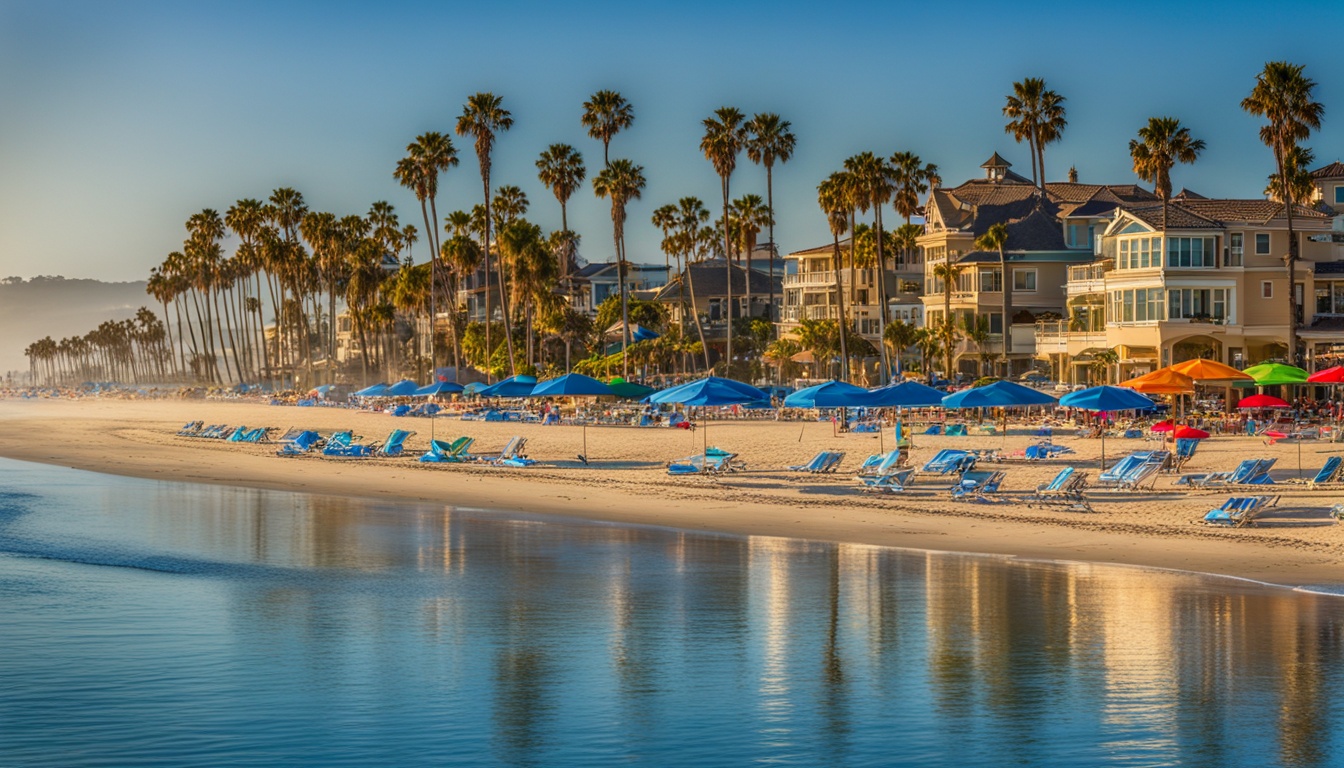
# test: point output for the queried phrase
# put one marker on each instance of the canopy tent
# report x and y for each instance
(514, 386)
(438, 388)
(1000, 394)
(1209, 370)
(1274, 374)
(628, 389)
(709, 391)
(1106, 398)
(1163, 381)
(403, 388)
(830, 394)
(376, 390)
(1261, 401)
(1333, 375)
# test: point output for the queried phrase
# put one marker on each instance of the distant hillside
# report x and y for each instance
(60, 307)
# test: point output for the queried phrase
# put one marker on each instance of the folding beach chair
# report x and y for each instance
(191, 428)
(1042, 451)
(1111, 476)
(955, 430)
(978, 486)
(1067, 489)
(1185, 450)
(1329, 474)
(446, 451)
(1143, 473)
(712, 461)
(895, 481)
(812, 466)
(887, 462)
(1240, 510)
(513, 456)
(948, 460)
(302, 442)
(934, 429)
(395, 444)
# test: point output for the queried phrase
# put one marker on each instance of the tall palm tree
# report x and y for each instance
(1050, 127)
(834, 202)
(912, 177)
(873, 187)
(430, 155)
(1297, 177)
(605, 114)
(1023, 110)
(1162, 143)
(561, 169)
(482, 117)
(749, 214)
(1283, 96)
(901, 336)
(769, 141)
(722, 142)
(994, 239)
(693, 240)
(948, 272)
(621, 181)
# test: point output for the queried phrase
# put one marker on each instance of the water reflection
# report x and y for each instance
(329, 631)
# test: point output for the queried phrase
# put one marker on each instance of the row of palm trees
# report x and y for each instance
(133, 350)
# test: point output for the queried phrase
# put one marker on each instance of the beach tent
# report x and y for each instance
(1274, 374)
(514, 386)
(403, 388)
(830, 394)
(709, 391)
(376, 390)
(438, 388)
(1106, 398)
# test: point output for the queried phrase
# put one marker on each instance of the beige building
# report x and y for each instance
(1049, 232)
(810, 291)
(1208, 280)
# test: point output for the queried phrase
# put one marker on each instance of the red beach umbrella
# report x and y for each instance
(1333, 375)
(1190, 433)
(1261, 401)
(1162, 426)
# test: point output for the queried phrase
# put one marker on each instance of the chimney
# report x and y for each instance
(1073, 174)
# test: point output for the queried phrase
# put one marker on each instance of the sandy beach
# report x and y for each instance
(1296, 543)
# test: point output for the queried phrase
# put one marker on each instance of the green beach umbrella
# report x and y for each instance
(1273, 374)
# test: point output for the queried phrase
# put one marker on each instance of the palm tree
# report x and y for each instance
(1023, 110)
(994, 239)
(605, 114)
(1283, 96)
(692, 241)
(912, 178)
(873, 187)
(976, 331)
(621, 181)
(948, 272)
(901, 336)
(430, 155)
(769, 141)
(1050, 127)
(561, 169)
(1300, 184)
(749, 214)
(834, 202)
(724, 136)
(1161, 144)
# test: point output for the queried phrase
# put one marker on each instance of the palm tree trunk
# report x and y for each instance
(881, 297)
(699, 328)
(770, 204)
(840, 310)
(728, 263)
(1290, 260)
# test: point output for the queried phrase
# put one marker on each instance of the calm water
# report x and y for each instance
(147, 623)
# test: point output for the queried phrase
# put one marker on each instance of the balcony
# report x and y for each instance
(1087, 278)
(1053, 337)
(826, 278)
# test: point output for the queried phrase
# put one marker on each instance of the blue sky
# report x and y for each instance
(120, 120)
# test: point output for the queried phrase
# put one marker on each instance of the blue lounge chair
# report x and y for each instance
(513, 456)
(446, 451)
(1185, 450)
(191, 428)
(302, 442)
(1042, 451)
(934, 429)
(1240, 510)
(392, 446)
(978, 486)
(948, 460)
(955, 430)
(712, 461)
(1133, 434)
(1112, 475)
(1143, 473)
(395, 444)
(1248, 472)
(1329, 474)
(895, 481)
(1067, 488)
(823, 463)
(886, 464)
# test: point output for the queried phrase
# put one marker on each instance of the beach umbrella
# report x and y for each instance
(1274, 374)
(1106, 398)
(1190, 433)
(1209, 370)
(438, 388)
(376, 390)
(403, 388)
(574, 385)
(1162, 426)
(906, 394)
(474, 388)
(514, 386)
(1163, 381)
(709, 391)
(1262, 401)
(322, 390)
(1334, 375)
(831, 394)
(628, 389)
(1000, 394)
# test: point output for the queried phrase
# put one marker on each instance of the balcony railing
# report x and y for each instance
(1085, 272)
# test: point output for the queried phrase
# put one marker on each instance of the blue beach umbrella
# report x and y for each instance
(711, 390)
(907, 394)
(439, 388)
(403, 388)
(831, 394)
(474, 388)
(514, 386)
(574, 385)
(1000, 394)
(1106, 398)
(376, 390)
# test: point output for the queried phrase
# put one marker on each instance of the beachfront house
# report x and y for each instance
(1049, 231)
(593, 284)
(707, 295)
(809, 286)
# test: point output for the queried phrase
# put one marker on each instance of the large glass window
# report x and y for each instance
(1140, 253)
(1024, 280)
(1235, 248)
(1141, 305)
(1190, 252)
(1198, 303)
(991, 280)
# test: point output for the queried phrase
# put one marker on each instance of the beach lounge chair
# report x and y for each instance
(934, 429)
(823, 463)
(1133, 434)
(1240, 510)
(1337, 511)
(215, 431)
(302, 442)
(236, 436)
(713, 461)
(955, 430)
(1144, 473)
(886, 463)
(446, 451)
(1042, 451)
(1248, 472)
(1067, 488)
(895, 481)
(1111, 476)
(978, 486)
(395, 444)
(948, 460)
(191, 428)
(513, 456)
(1185, 450)
(1329, 474)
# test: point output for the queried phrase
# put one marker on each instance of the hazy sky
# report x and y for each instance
(118, 120)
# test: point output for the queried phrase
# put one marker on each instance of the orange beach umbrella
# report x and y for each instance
(1163, 381)
(1208, 370)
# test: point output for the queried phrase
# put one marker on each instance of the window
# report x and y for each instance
(1024, 280)
(1266, 288)
(1142, 305)
(1261, 243)
(991, 280)
(1235, 247)
(1140, 253)
(1339, 195)
(1198, 303)
(1190, 252)
(936, 253)
(995, 322)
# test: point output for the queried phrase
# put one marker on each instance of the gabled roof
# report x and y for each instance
(1037, 231)
(1188, 194)
(1093, 209)
(820, 250)
(1177, 217)
(1203, 213)
(711, 281)
(1334, 170)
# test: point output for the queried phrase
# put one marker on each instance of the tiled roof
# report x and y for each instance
(711, 279)
(1334, 170)
(593, 269)
(1251, 211)
(1092, 209)
(1038, 231)
(1178, 217)
(820, 250)
(1188, 194)
(996, 162)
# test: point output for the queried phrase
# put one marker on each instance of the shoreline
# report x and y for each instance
(1297, 546)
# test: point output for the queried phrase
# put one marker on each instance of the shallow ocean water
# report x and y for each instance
(150, 623)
